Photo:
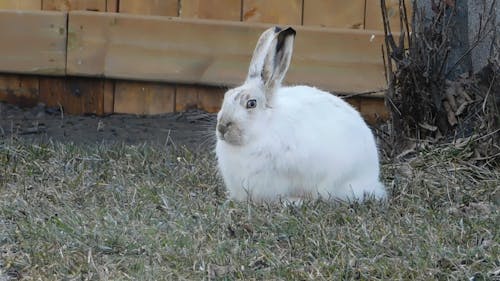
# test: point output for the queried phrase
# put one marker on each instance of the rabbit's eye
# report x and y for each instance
(251, 103)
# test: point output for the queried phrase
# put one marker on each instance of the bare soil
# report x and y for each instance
(193, 129)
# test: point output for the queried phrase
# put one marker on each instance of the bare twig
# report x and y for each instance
(367, 93)
(416, 71)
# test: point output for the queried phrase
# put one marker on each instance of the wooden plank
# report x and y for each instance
(112, 6)
(373, 15)
(143, 98)
(211, 9)
(355, 102)
(20, 4)
(19, 90)
(198, 97)
(36, 42)
(335, 13)
(71, 5)
(150, 7)
(216, 52)
(109, 97)
(186, 98)
(210, 99)
(373, 110)
(74, 94)
(273, 11)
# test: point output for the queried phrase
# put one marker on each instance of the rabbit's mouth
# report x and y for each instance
(230, 138)
(229, 134)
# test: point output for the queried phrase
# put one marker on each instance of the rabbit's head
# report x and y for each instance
(245, 108)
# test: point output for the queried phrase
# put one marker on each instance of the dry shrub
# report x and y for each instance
(427, 101)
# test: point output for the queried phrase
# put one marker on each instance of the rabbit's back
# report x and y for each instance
(321, 135)
(308, 116)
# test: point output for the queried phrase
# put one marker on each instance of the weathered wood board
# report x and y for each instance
(273, 11)
(109, 97)
(373, 110)
(75, 95)
(71, 5)
(150, 7)
(20, 4)
(216, 52)
(373, 16)
(143, 98)
(186, 98)
(19, 90)
(198, 97)
(36, 42)
(335, 13)
(211, 9)
(112, 6)
(210, 99)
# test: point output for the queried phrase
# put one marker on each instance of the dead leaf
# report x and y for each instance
(452, 119)
(450, 97)
(461, 91)
(461, 109)
(428, 127)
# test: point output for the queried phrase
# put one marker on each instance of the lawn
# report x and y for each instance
(151, 212)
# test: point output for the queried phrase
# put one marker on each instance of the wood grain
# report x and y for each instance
(19, 90)
(109, 97)
(112, 6)
(36, 42)
(198, 97)
(143, 98)
(186, 98)
(74, 94)
(211, 9)
(216, 52)
(210, 99)
(373, 110)
(273, 11)
(150, 7)
(20, 4)
(72, 5)
(335, 13)
(355, 102)
(373, 16)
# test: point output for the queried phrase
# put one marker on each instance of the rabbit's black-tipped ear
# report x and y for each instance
(260, 53)
(271, 58)
(278, 59)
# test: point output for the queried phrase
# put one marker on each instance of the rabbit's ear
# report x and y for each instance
(260, 53)
(272, 57)
(278, 59)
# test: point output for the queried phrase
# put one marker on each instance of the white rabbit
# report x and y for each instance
(291, 143)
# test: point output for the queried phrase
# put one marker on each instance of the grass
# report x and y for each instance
(119, 212)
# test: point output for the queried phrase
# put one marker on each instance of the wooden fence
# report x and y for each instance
(149, 56)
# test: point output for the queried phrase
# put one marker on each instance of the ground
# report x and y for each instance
(140, 199)
(194, 129)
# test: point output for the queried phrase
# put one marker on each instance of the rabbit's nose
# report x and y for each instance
(223, 128)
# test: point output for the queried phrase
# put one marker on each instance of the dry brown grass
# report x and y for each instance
(124, 212)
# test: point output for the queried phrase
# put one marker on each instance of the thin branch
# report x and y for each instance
(367, 93)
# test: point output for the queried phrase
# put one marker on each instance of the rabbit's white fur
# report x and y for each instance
(297, 142)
